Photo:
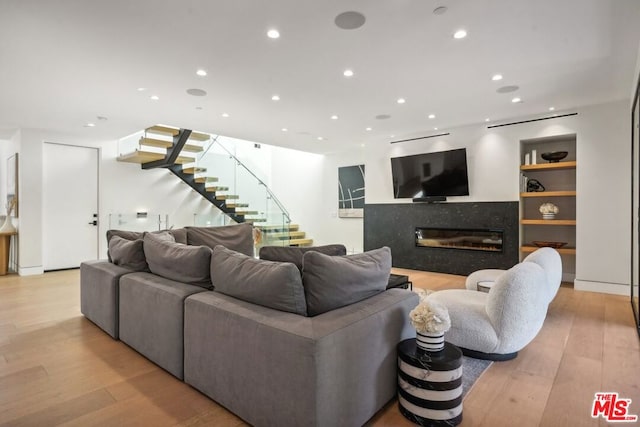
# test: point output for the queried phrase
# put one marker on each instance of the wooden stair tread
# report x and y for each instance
(216, 188)
(199, 136)
(237, 205)
(163, 130)
(301, 242)
(139, 156)
(284, 235)
(227, 196)
(246, 212)
(153, 142)
(275, 228)
(192, 148)
(205, 179)
(194, 170)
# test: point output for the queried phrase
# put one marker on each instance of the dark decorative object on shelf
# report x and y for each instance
(534, 186)
(544, 244)
(554, 156)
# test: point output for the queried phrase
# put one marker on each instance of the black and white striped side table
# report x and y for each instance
(430, 384)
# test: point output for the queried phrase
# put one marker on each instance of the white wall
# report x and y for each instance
(603, 183)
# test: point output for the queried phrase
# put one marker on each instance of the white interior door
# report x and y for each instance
(70, 204)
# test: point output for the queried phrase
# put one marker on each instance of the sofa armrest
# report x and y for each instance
(99, 293)
(277, 368)
(484, 278)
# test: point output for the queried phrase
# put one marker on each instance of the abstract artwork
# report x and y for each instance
(351, 191)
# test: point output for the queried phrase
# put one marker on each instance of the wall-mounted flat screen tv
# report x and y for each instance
(442, 173)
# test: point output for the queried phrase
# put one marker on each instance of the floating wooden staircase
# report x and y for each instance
(176, 149)
(283, 235)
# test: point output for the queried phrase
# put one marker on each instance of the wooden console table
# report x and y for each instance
(5, 250)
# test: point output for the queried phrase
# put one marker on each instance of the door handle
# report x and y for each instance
(94, 222)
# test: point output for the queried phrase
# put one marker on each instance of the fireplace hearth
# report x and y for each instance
(456, 238)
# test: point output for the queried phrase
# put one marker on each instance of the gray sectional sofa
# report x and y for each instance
(271, 345)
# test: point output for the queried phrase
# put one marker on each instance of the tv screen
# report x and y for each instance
(431, 174)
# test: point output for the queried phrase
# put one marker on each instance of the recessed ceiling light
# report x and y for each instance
(362, 145)
(432, 116)
(516, 100)
(496, 77)
(273, 34)
(284, 129)
(225, 115)
(334, 117)
(320, 138)
(368, 129)
(401, 101)
(201, 72)
(141, 89)
(435, 128)
(154, 97)
(460, 34)
(348, 73)
(487, 120)
(552, 108)
(392, 136)
(275, 98)
(90, 125)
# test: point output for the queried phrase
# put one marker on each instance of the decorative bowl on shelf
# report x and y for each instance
(554, 156)
(545, 244)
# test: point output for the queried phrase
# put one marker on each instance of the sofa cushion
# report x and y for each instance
(335, 281)
(294, 254)
(179, 234)
(271, 284)
(176, 261)
(128, 253)
(238, 237)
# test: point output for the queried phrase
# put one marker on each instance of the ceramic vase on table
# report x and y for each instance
(430, 341)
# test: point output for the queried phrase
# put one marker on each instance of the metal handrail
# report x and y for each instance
(260, 182)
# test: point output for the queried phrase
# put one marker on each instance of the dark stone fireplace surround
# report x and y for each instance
(394, 225)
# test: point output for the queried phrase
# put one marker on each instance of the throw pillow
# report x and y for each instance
(128, 253)
(238, 238)
(275, 285)
(294, 254)
(331, 282)
(179, 262)
(127, 235)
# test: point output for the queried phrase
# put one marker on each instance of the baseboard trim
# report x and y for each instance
(568, 277)
(602, 287)
(30, 271)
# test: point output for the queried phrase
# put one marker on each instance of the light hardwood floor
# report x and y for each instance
(57, 368)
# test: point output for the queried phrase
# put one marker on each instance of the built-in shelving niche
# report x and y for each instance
(559, 181)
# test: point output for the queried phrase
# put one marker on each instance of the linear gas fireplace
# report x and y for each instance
(460, 238)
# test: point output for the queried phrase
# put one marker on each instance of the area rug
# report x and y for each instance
(472, 369)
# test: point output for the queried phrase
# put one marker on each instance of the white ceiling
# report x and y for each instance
(65, 62)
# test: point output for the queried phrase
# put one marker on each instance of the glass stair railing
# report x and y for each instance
(211, 167)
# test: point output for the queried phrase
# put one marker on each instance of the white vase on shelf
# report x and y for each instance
(8, 226)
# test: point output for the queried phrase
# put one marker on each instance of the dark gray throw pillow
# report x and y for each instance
(175, 261)
(128, 253)
(238, 238)
(179, 234)
(275, 285)
(295, 254)
(331, 282)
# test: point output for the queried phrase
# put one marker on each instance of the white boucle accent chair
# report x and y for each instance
(498, 324)
(547, 258)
